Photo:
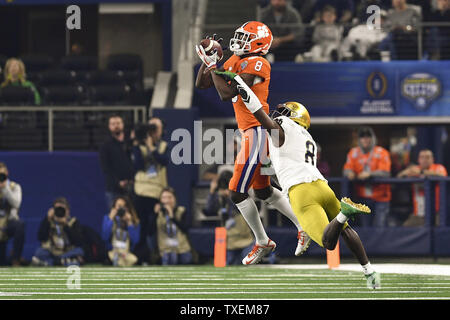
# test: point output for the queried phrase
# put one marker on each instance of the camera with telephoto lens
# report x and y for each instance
(3, 177)
(121, 212)
(60, 212)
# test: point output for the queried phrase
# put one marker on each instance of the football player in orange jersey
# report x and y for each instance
(250, 43)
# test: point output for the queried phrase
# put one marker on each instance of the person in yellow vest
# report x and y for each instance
(172, 230)
(120, 231)
(150, 159)
(11, 227)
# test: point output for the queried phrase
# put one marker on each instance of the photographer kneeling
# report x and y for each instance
(120, 231)
(172, 230)
(60, 236)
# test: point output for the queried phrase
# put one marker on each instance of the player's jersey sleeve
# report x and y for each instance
(287, 125)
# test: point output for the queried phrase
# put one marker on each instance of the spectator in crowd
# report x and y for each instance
(11, 227)
(403, 150)
(438, 38)
(172, 230)
(15, 75)
(120, 231)
(61, 237)
(365, 161)
(150, 159)
(344, 10)
(305, 9)
(326, 37)
(401, 24)
(115, 161)
(239, 236)
(362, 42)
(287, 29)
(425, 168)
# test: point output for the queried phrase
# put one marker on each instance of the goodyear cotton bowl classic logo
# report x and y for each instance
(421, 89)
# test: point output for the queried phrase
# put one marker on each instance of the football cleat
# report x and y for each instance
(303, 243)
(258, 252)
(350, 209)
(373, 280)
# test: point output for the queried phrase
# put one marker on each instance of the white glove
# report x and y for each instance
(209, 60)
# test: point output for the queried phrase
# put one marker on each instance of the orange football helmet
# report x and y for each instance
(251, 37)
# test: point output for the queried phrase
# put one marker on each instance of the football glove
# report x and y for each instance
(209, 60)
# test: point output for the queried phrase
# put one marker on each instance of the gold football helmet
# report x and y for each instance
(296, 112)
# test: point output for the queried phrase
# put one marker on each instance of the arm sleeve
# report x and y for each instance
(161, 154)
(44, 230)
(133, 232)
(106, 228)
(384, 164)
(248, 96)
(13, 195)
(212, 206)
(182, 223)
(138, 161)
(75, 233)
(348, 166)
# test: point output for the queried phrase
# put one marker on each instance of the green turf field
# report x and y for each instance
(207, 282)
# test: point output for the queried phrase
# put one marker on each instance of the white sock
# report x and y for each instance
(250, 213)
(281, 203)
(341, 218)
(367, 269)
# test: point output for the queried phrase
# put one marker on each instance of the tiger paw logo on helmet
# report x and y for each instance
(251, 37)
(263, 31)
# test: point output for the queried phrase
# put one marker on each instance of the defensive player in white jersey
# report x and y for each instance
(293, 154)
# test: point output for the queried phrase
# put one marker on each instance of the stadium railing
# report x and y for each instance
(136, 114)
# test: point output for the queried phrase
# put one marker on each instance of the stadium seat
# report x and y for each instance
(110, 94)
(37, 63)
(79, 63)
(64, 95)
(16, 96)
(14, 138)
(124, 62)
(105, 77)
(82, 65)
(130, 66)
(57, 78)
(74, 138)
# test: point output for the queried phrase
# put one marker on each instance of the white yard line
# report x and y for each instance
(399, 268)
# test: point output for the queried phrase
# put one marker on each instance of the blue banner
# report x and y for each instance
(399, 88)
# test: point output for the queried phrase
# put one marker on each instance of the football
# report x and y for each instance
(212, 46)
